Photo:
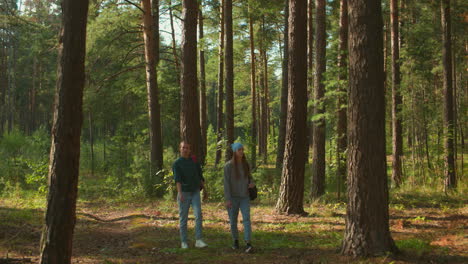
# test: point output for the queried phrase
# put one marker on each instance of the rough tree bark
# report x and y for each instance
(60, 216)
(154, 109)
(203, 113)
(219, 116)
(229, 68)
(367, 227)
(253, 143)
(318, 146)
(291, 195)
(173, 42)
(190, 120)
(450, 178)
(310, 74)
(397, 137)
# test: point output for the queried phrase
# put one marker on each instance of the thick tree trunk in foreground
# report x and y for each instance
(60, 217)
(190, 120)
(291, 195)
(367, 228)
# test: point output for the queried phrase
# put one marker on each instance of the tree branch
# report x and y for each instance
(118, 73)
(137, 6)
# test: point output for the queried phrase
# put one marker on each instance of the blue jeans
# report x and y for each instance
(190, 198)
(242, 203)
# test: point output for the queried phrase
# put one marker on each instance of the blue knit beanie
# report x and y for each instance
(236, 146)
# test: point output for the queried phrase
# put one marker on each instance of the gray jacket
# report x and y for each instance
(235, 187)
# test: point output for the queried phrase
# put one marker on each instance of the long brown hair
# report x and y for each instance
(245, 166)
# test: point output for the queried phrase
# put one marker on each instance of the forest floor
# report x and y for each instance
(426, 230)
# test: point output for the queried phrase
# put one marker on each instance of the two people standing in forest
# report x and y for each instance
(237, 179)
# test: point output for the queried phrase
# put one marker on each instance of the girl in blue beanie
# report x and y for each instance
(237, 180)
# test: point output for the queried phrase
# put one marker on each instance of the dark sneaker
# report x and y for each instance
(236, 244)
(248, 248)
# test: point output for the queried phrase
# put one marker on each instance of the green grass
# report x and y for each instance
(415, 246)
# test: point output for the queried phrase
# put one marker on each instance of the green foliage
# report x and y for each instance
(215, 182)
(25, 160)
(415, 246)
(211, 146)
(268, 182)
(419, 218)
(13, 144)
(38, 175)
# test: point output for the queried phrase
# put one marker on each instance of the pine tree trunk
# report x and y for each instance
(266, 101)
(261, 98)
(3, 85)
(104, 154)
(455, 106)
(174, 46)
(397, 138)
(310, 74)
(263, 103)
(219, 117)
(154, 112)
(229, 68)
(60, 216)
(32, 99)
(11, 91)
(266, 115)
(190, 120)
(253, 93)
(450, 178)
(177, 67)
(341, 125)
(155, 15)
(203, 113)
(318, 153)
(284, 92)
(367, 219)
(91, 141)
(261, 106)
(259, 114)
(426, 142)
(291, 196)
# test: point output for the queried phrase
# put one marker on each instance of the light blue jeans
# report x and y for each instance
(242, 203)
(190, 198)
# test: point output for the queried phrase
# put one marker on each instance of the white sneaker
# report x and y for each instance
(184, 245)
(200, 244)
